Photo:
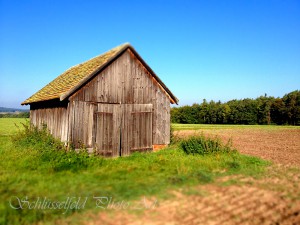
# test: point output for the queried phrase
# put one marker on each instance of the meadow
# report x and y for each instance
(33, 171)
(9, 126)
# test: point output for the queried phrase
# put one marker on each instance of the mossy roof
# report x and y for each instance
(68, 82)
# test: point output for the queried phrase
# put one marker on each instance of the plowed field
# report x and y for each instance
(278, 145)
(273, 199)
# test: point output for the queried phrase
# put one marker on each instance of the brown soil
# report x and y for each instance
(278, 145)
(274, 199)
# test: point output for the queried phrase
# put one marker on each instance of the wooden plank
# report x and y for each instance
(168, 122)
(90, 125)
(84, 124)
(123, 148)
(94, 127)
(99, 128)
(107, 135)
(70, 121)
(141, 127)
(76, 128)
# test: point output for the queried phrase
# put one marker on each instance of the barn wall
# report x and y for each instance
(125, 81)
(56, 119)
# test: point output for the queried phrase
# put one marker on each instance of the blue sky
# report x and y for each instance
(217, 50)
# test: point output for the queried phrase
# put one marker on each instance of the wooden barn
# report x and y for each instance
(113, 103)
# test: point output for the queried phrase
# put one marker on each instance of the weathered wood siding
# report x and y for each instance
(81, 119)
(56, 120)
(112, 129)
(125, 81)
(136, 128)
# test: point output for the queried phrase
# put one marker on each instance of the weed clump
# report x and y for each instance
(36, 137)
(202, 145)
(52, 151)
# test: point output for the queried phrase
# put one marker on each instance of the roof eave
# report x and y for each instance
(32, 102)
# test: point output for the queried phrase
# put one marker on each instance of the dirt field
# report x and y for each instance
(278, 145)
(273, 199)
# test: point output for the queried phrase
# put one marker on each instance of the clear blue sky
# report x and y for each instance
(217, 50)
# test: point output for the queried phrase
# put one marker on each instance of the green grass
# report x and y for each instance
(8, 126)
(28, 168)
(220, 126)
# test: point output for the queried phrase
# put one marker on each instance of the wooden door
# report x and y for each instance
(121, 129)
(107, 129)
(136, 128)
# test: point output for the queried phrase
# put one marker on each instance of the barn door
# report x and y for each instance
(107, 129)
(120, 129)
(137, 128)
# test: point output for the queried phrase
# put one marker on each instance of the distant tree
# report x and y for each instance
(234, 114)
(292, 104)
(203, 112)
(175, 115)
(225, 112)
(278, 112)
(15, 115)
(262, 110)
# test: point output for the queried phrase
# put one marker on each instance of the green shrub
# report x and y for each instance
(52, 150)
(202, 145)
(33, 136)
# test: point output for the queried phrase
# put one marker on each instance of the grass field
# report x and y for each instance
(9, 126)
(170, 180)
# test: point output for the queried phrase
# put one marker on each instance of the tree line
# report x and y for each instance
(262, 110)
(15, 115)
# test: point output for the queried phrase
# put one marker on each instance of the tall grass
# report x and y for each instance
(52, 151)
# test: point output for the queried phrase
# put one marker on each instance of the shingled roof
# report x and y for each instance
(72, 79)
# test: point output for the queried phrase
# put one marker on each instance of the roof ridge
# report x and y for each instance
(119, 46)
(102, 54)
